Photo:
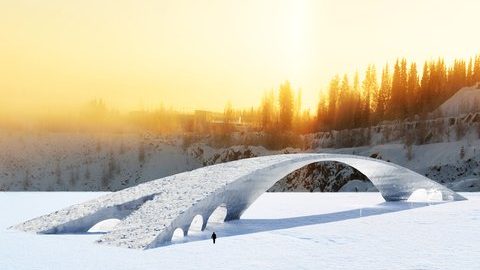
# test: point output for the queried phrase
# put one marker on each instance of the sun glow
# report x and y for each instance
(57, 55)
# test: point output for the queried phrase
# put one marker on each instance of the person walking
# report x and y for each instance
(214, 236)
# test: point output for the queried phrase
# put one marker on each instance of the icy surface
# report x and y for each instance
(151, 212)
(279, 231)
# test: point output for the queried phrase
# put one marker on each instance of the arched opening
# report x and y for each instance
(324, 176)
(104, 226)
(423, 195)
(196, 225)
(178, 235)
(218, 215)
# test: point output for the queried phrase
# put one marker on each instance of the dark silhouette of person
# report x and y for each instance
(214, 236)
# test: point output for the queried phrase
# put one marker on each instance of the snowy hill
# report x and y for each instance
(108, 162)
(464, 101)
(70, 161)
(77, 162)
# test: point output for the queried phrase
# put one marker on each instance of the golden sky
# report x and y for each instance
(203, 53)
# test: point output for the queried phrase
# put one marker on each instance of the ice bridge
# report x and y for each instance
(150, 212)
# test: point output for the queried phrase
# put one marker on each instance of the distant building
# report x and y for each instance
(208, 122)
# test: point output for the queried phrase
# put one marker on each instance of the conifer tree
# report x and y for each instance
(412, 89)
(357, 101)
(285, 106)
(369, 88)
(398, 102)
(470, 72)
(476, 70)
(424, 93)
(332, 101)
(383, 95)
(267, 110)
(344, 119)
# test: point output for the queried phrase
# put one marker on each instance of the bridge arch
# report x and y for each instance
(175, 200)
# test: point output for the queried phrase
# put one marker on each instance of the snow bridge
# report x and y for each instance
(152, 211)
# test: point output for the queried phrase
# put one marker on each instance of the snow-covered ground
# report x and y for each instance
(279, 231)
(463, 101)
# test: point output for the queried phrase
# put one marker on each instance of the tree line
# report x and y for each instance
(398, 92)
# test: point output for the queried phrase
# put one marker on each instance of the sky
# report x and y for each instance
(201, 54)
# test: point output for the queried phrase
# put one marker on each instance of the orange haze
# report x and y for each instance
(57, 55)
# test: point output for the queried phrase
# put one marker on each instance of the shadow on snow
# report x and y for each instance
(249, 226)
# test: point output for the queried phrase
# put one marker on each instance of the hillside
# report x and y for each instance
(464, 101)
(446, 149)
(82, 162)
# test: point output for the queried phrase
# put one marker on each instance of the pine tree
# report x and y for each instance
(345, 116)
(457, 76)
(332, 101)
(369, 88)
(476, 70)
(297, 115)
(228, 118)
(383, 95)
(412, 89)
(424, 98)
(286, 106)
(357, 101)
(399, 87)
(267, 110)
(403, 84)
(322, 112)
(469, 75)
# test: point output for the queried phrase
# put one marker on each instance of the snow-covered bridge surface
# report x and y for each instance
(150, 212)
